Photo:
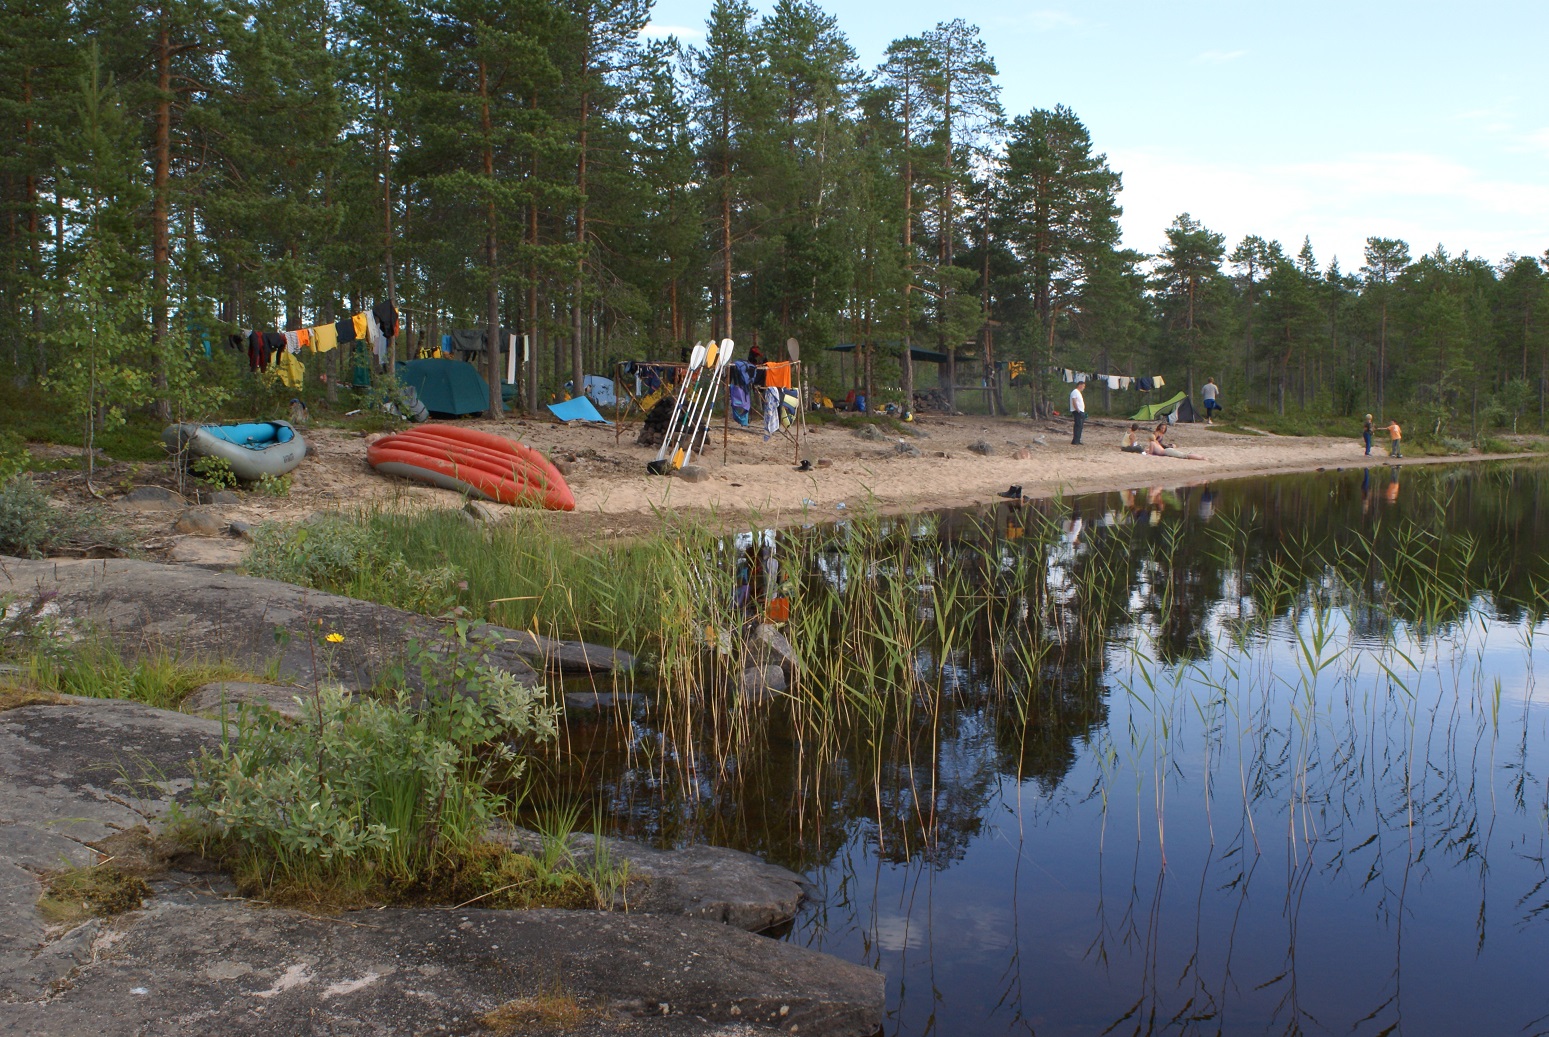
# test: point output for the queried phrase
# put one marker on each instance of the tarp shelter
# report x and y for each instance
(447, 388)
(925, 355)
(1153, 411)
(578, 409)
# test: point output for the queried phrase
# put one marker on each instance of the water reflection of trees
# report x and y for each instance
(1020, 677)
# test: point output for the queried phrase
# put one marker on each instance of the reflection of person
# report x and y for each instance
(1392, 492)
(1132, 443)
(1077, 411)
(1396, 438)
(1210, 392)
(1366, 488)
(1366, 434)
(1207, 505)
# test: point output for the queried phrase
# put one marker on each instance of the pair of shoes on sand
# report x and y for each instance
(1015, 493)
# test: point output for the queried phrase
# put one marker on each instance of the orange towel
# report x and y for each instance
(777, 374)
(304, 338)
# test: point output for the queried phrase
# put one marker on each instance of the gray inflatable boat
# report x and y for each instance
(253, 449)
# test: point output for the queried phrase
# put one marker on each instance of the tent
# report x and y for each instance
(1185, 412)
(1152, 411)
(447, 388)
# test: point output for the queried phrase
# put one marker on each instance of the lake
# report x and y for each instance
(1261, 756)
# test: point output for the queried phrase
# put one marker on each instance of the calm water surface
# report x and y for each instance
(1270, 758)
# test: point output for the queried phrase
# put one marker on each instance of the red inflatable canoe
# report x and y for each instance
(473, 462)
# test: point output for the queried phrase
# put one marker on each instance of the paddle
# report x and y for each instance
(691, 391)
(727, 345)
(793, 349)
(695, 358)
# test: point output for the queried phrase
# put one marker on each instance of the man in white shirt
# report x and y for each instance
(1077, 411)
(1210, 392)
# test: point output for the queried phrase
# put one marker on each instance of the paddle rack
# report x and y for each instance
(630, 410)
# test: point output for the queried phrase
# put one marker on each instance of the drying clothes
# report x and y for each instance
(771, 412)
(1125, 383)
(292, 342)
(358, 322)
(1112, 380)
(386, 318)
(274, 345)
(1158, 381)
(376, 338)
(257, 353)
(1143, 384)
(740, 373)
(345, 330)
(741, 402)
(777, 374)
(304, 338)
(324, 338)
(290, 370)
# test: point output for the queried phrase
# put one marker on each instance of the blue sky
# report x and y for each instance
(1413, 119)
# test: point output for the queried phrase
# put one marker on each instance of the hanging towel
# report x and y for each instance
(1158, 381)
(740, 402)
(376, 338)
(1125, 383)
(1070, 376)
(358, 323)
(304, 338)
(1112, 380)
(345, 328)
(771, 412)
(324, 338)
(777, 374)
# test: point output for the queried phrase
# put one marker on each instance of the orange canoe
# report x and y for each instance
(472, 462)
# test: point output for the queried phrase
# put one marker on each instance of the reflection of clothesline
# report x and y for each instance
(1116, 381)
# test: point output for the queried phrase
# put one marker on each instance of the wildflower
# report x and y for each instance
(335, 638)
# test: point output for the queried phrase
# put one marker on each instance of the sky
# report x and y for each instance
(1338, 121)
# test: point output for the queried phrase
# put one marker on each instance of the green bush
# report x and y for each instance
(214, 471)
(32, 527)
(388, 794)
(345, 557)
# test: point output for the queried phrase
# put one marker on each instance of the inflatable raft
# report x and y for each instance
(472, 462)
(253, 450)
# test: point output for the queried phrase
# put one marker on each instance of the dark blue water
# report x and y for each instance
(1281, 771)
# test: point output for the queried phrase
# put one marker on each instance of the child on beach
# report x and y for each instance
(1366, 434)
(1132, 443)
(1396, 438)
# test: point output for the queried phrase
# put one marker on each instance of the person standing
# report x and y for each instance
(1211, 392)
(1077, 411)
(1396, 438)
(1366, 434)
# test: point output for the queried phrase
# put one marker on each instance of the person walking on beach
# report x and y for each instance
(1077, 411)
(1366, 434)
(1396, 438)
(1210, 392)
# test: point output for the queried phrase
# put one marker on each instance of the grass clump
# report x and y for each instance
(337, 554)
(551, 1010)
(95, 669)
(96, 891)
(389, 800)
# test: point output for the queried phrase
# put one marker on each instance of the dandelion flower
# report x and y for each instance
(335, 638)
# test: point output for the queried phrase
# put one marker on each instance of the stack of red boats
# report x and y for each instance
(477, 463)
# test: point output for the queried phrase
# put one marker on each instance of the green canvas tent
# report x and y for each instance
(447, 388)
(1151, 412)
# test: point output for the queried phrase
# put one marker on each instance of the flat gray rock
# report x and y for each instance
(226, 698)
(204, 967)
(201, 521)
(242, 620)
(152, 498)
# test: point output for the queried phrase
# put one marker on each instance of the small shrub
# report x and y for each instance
(274, 485)
(32, 527)
(214, 471)
(386, 798)
(14, 455)
(335, 554)
(1492, 445)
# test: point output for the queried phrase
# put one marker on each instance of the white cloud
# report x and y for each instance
(1423, 198)
(1045, 19)
(1218, 57)
(652, 31)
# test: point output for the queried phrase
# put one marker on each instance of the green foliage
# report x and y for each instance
(95, 668)
(396, 790)
(32, 527)
(98, 891)
(345, 557)
(274, 485)
(214, 471)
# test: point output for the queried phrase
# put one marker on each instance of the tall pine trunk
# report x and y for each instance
(160, 251)
(492, 338)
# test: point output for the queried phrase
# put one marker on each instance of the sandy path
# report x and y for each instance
(758, 480)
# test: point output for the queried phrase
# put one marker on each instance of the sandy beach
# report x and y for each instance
(751, 479)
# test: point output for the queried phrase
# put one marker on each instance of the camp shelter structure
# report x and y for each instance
(1152, 411)
(447, 388)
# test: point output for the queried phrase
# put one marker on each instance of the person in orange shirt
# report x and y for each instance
(1396, 439)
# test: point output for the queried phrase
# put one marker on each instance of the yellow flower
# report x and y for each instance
(335, 638)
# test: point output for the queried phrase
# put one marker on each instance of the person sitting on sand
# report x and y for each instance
(1132, 443)
(1156, 449)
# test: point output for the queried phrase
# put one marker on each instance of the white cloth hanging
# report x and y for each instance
(376, 338)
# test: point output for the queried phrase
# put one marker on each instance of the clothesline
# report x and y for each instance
(1116, 381)
(279, 348)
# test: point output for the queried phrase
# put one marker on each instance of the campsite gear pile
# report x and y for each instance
(480, 464)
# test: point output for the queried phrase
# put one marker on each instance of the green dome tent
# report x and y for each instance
(1150, 412)
(447, 388)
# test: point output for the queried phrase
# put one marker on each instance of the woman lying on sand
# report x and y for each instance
(1156, 449)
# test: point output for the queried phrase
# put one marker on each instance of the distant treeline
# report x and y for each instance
(541, 166)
